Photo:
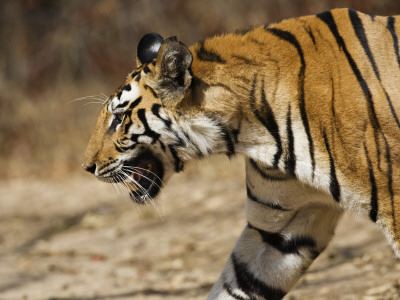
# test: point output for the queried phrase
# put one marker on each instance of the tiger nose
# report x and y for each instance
(90, 169)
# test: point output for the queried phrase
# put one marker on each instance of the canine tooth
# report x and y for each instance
(132, 187)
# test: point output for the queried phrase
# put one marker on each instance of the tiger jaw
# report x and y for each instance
(142, 176)
(146, 173)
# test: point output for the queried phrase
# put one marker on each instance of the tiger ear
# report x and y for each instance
(172, 75)
(148, 47)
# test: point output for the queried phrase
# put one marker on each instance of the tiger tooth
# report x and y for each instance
(132, 187)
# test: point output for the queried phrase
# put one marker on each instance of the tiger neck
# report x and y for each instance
(251, 101)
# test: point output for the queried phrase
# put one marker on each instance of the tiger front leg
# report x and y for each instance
(275, 249)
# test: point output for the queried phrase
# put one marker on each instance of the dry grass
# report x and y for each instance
(46, 135)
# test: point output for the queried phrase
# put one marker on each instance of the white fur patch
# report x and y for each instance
(131, 95)
(145, 139)
(126, 97)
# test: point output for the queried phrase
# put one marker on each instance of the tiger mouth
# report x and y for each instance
(144, 177)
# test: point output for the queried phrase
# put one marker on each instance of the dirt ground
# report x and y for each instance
(75, 238)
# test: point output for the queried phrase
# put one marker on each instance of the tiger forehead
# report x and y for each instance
(130, 90)
(146, 68)
(136, 75)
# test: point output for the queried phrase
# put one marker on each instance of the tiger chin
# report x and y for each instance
(313, 105)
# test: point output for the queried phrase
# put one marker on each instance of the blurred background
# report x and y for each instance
(53, 52)
(62, 235)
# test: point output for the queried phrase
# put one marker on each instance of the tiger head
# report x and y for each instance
(150, 126)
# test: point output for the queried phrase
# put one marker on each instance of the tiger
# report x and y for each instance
(311, 103)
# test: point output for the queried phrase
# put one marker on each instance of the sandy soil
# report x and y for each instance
(76, 239)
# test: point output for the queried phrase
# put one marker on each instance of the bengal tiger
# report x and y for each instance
(311, 102)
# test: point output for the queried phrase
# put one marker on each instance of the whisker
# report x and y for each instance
(142, 189)
(101, 97)
(127, 195)
(105, 97)
(148, 197)
(123, 184)
(93, 102)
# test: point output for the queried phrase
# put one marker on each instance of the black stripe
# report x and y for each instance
(127, 87)
(230, 145)
(362, 38)
(390, 27)
(392, 109)
(232, 294)
(128, 124)
(122, 104)
(267, 118)
(135, 103)
(156, 111)
(373, 213)
(146, 70)
(124, 148)
(178, 163)
(251, 285)
(265, 175)
(390, 179)
(200, 81)
(245, 60)
(221, 85)
(208, 55)
(271, 124)
(289, 37)
(162, 146)
(135, 73)
(290, 161)
(309, 32)
(285, 245)
(334, 184)
(138, 77)
(141, 113)
(199, 154)
(151, 90)
(178, 140)
(142, 117)
(269, 204)
(235, 133)
(333, 103)
(118, 148)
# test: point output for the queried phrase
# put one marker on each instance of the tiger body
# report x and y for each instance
(312, 103)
